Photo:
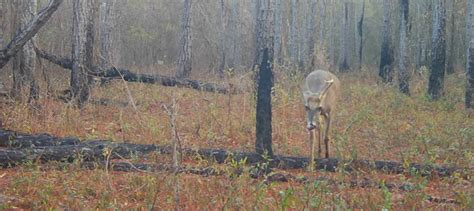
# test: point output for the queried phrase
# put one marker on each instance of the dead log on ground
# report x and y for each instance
(45, 147)
(129, 76)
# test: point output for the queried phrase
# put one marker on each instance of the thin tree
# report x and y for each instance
(386, 54)
(438, 58)
(470, 57)
(24, 63)
(293, 46)
(360, 28)
(344, 51)
(452, 42)
(222, 40)
(185, 51)
(277, 29)
(263, 143)
(312, 35)
(105, 27)
(82, 51)
(2, 13)
(403, 73)
(28, 32)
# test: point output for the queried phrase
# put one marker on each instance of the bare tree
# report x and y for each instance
(185, 55)
(277, 29)
(24, 64)
(263, 144)
(222, 39)
(403, 73)
(344, 51)
(311, 35)
(105, 27)
(292, 48)
(451, 47)
(386, 54)
(438, 58)
(470, 57)
(360, 28)
(28, 32)
(82, 51)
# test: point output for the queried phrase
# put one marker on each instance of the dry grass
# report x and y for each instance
(372, 122)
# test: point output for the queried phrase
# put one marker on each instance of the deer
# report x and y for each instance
(320, 91)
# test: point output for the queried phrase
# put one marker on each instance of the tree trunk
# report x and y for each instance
(185, 52)
(222, 40)
(403, 73)
(451, 47)
(343, 55)
(419, 36)
(360, 28)
(28, 32)
(292, 47)
(263, 143)
(82, 51)
(332, 51)
(311, 36)
(470, 58)
(2, 23)
(236, 54)
(106, 24)
(438, 58)
(277, 30)
(322, 20)
(386, 55)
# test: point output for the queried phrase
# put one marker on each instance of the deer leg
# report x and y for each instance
(312, 139)
(326, 133)
(318, 127)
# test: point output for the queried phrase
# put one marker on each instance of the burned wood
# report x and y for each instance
(130, 76)
(24, 147)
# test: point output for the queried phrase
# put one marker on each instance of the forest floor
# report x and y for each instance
(372, 122)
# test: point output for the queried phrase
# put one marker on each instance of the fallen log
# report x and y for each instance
(129, 76)
(45, 147)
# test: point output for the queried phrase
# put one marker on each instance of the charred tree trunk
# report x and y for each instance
(28, 32)
(360, 28)
(185, 52)
(263, 143)
(106, 24)
(438, 58)
(403, 73)
(82, 51)
(386, 54)
(344, 51)
(470, 58)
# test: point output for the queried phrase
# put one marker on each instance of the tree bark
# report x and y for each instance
(451, 47)
(263, 143)
(277, 40)
(360, 28)
(82, 51)
(2, 23)
(105, 28)
(185, 52)
(293, 33)
(343, 54)
(470, 58)
(129, 76)
(25, 60)
(311, 36)
(222, 41)
(403, 73)
(438, 58)
(386, 54)
(28, 32)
